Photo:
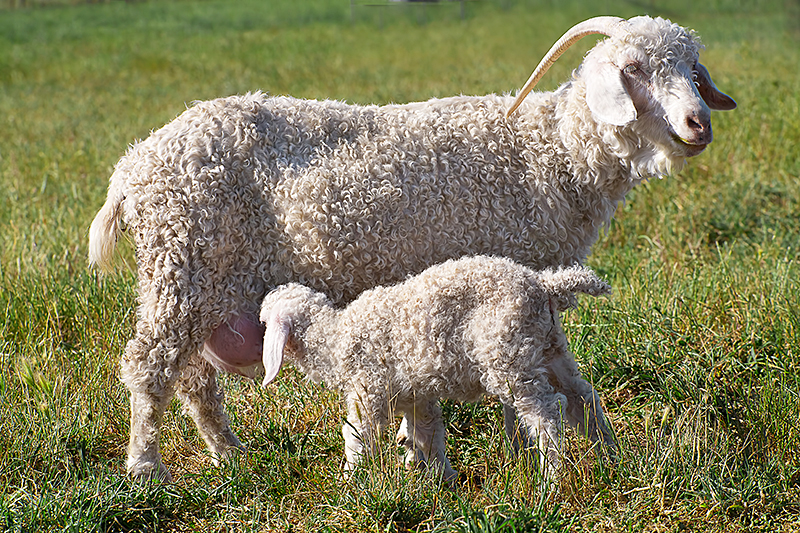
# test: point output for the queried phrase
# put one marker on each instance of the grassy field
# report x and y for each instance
(696, 354)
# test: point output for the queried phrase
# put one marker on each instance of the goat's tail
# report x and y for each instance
(563, 283)
(104, 232)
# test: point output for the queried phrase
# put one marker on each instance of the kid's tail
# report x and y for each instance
(562, 284)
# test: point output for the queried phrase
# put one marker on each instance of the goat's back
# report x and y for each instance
(342, 198)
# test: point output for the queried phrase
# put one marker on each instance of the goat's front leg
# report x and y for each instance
(366, 419)
(203, 400)
(518, 436)
(423, 435)
(413, 455)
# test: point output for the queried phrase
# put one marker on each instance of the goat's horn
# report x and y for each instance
(609, 26)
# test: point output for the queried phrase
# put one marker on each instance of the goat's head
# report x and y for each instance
(287, 312)
(647, 75)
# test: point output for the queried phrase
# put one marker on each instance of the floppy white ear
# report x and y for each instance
(275, 337)
(606, 94)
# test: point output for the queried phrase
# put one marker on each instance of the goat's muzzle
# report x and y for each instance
(690, 148)
(694, 134)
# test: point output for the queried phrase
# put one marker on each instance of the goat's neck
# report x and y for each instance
(318, 359)
(585, 167)
(604, 159)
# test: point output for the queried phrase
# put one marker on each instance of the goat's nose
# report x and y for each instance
(700, 129)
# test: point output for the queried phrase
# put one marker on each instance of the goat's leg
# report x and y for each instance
(203, 400)
(585, 413)
(149, 369)
(366, 419)
(583, 409)
(353, 445)
(426, 439)
(413, 454)
(528, 391)
(169, 331)
(518, 437)
(540, 411)
(144, 458)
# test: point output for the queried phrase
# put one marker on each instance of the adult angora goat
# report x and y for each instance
(241, 194)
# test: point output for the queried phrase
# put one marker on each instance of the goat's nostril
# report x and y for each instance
(694, 125)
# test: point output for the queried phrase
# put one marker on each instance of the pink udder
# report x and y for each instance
(236, 346)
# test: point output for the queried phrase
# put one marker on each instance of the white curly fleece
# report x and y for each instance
(458, 330)
(239, 195)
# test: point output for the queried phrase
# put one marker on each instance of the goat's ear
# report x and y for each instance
(713, 97)
(279, 327)
(606, 94)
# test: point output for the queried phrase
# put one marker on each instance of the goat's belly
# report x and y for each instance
(236, 346)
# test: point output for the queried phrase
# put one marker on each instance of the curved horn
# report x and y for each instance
(609, 26)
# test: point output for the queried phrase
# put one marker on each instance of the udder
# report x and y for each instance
(236, 346)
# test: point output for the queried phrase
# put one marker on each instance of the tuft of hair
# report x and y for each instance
(103, 235)
(564, 282)
(105, 228)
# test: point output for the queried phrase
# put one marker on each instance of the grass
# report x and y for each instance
(695, 354)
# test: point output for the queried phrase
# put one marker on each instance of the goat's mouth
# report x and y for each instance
(691, 149)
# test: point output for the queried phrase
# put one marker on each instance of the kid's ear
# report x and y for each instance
(606, 94)
(279, 327)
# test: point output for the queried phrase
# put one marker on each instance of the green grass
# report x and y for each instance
(696, 354)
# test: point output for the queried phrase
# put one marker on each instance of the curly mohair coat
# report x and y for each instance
(458, 330)
(239, 195)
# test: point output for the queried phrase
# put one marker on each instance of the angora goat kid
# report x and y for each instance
(239, 195)
(458, 330)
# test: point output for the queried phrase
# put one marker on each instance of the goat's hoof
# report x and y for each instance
(450, 477)
(226, 448)
(414, 458)
(227, 454)
(149, 471)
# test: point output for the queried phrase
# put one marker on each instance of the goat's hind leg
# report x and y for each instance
(584, 410)
(149, 369)
(540, 409)
(203, 400)
(519, 438)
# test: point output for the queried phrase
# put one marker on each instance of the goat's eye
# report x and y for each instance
(631, 70)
